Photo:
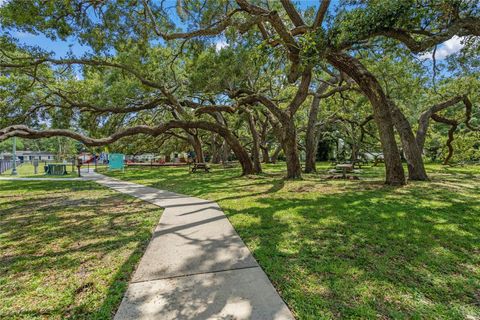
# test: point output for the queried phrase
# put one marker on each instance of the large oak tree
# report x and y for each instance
(140, 42)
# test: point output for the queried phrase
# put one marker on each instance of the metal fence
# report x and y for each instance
(5, 165)
(26, 167)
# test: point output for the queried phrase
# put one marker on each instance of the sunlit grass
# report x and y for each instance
(27, 170)
(68, 248)
(353, 249)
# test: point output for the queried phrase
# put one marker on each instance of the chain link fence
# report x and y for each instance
(33, 167)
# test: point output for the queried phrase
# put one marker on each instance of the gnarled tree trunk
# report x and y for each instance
(265, 155)
(263, 134)
(381, 112)
(286, 133)
(453, 126)
(275, 154)
(196, 144)
(412, 152)
(215, 150)
(311, 138)
(290, 148)
(242, 155)
(225, 151)
(237, 148)
(255, 144)
(313, 131)
(424, 120)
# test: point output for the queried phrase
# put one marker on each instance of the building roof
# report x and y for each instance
(28, 153)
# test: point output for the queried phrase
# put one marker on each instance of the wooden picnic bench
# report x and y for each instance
(345, 167)
(359, 163)
(200, 165)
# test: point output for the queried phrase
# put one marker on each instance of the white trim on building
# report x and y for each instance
(29, 155)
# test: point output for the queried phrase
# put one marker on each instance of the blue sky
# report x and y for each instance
(62, 48)
(59, 48)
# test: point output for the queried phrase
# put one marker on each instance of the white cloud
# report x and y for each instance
(447, 48)
(219, 45)
(2, 2)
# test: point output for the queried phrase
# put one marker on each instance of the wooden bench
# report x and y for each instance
(359, 163)
(200, 165)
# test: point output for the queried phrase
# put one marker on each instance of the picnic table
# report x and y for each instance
(359, 163)
(200, 165)
(345, 167)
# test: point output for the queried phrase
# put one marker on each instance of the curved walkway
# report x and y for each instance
(196, 266)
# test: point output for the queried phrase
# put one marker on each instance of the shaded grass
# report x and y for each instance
(68, 248)
(353, 249)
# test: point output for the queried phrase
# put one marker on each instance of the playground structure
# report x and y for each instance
(89, 158)
(152, 160)
(62, 166)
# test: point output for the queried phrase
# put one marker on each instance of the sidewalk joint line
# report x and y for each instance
(195, 274)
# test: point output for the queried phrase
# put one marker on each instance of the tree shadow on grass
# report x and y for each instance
(74, 220)
(212, 276)
(68, 254)
(405, 252)
(178, 180)
(363, 251)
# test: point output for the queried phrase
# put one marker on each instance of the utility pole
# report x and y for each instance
(14, 157)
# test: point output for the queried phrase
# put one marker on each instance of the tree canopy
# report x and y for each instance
(249, 78)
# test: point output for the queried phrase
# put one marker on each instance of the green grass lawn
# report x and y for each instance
(353, 249)
(27, 170)
(68, 248)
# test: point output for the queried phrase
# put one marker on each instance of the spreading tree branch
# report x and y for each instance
(212, 30)
(320, 16)
(292, 13)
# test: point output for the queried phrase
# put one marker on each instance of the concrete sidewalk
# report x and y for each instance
(196, 266)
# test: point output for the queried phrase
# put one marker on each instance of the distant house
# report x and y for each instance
(28, 155)
(148, 157)
(144, 157)
(373, 155)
